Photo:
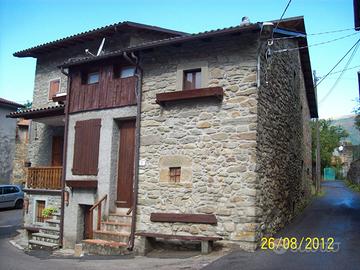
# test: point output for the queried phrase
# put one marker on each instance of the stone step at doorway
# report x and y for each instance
(48, 237)
(113, 236)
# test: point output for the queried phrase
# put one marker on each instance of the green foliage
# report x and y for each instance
(48, 211)
(28, 104)
(330, 137)
(352, 186)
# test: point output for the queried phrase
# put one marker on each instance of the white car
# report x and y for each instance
(11, 196)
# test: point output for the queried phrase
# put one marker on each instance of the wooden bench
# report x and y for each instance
(206, 241)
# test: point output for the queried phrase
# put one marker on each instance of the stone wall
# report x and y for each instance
(40, 144)
(18, 175)
(213, 142)
(50, 200)
(283, 141)
(7, 144)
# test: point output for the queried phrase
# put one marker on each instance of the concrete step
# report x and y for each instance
(50, 238)
(54, 223)
(122, 211)
(112, 226)
(103, 247)
(50, 230)
(112, 236)
(35, 244)
(121, 218)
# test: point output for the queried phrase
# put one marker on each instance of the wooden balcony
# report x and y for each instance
(44, 178)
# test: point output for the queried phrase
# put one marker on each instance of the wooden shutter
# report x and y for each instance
(54, 88)
(86, 147)
(40, 206)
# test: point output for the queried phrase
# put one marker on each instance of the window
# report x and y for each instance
(175, 173)
(126, 72)
(92, 77)
(54, 88)
(9, 190)
(40, 206)
(192, 79)
(86, 147)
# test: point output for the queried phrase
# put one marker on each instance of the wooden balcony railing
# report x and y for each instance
(44, 177)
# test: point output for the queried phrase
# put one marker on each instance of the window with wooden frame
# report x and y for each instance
(124, 71)
(90, 77)
(40, 206)
(192, 79)
(86, 147)
(174, 174)
(54, 88)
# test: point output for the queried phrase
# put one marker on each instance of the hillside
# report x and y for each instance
(347, 122)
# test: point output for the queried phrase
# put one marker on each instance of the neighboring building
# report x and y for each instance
(219, 147)
(19, 171)
(7, 138)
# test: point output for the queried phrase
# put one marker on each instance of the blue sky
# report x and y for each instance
(26, 23)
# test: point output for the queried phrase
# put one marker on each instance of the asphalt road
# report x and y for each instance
(336, 214)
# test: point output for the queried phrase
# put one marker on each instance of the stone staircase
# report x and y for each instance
(48, 235)
(113, 236)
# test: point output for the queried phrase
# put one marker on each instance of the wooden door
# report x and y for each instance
(87, 222)
(126, 164)
(57, 150)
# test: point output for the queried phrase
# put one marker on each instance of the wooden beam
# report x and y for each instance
(83, 184)
(216, 92)
(185, 218)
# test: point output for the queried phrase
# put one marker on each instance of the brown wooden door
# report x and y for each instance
(126, 164)
(87, 222)
(57, 150)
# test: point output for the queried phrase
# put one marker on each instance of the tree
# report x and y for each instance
(28, 104)
(330, 137)
(357, 117)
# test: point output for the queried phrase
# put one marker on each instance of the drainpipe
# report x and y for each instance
(138, 73)
(64, 157)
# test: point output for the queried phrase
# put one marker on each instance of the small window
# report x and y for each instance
(127, 72)
(40, 206)
(192, 79)
(92, 77)
(175, 173)
(54, 88)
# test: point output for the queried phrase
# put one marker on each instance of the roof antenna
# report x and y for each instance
(101, 47)
(87, 51)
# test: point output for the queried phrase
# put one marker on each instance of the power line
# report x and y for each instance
(316, 44)
(342, 58)
(341, 74)
(336, 72)
(279, 21)
(314, 34)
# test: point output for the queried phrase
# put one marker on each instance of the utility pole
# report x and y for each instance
(318, 160)
(357, 14)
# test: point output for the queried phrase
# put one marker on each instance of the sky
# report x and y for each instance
(27, 23)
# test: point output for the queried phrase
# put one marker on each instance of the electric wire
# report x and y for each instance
(341, 74)
(316, 44)
(279, 21)
(336, 72)
(315, 34)
(342, 58)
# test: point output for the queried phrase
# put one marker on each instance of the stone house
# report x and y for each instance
(167, 135)
(7, 139)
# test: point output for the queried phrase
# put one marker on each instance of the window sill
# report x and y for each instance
(209, 92)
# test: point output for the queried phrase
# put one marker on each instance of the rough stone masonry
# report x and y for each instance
(244, 159)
